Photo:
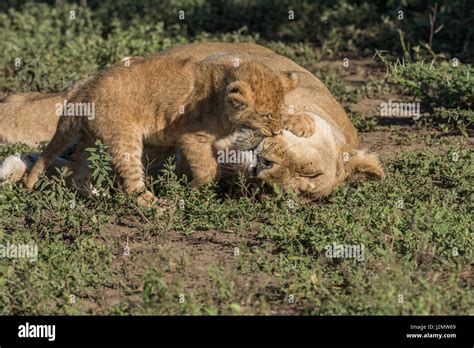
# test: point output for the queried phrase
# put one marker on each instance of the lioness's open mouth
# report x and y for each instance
(261, 164)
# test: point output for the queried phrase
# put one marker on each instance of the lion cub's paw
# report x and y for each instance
(299, 124)
(148, 199)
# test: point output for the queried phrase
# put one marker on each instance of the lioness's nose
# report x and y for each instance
(276, 131)
(264, 163)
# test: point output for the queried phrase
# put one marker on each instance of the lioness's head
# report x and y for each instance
(312, 166)
(254, 97)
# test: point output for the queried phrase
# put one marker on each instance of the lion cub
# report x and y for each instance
(166, 101)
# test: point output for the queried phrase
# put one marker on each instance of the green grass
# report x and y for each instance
(420, 250)
(445, 90)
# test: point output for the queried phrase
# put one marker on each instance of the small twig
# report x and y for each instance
(140, 213)
(434, 11)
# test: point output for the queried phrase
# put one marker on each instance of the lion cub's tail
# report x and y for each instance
(66, 133)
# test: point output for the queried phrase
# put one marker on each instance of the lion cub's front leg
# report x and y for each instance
(198, 151)
(298, 123)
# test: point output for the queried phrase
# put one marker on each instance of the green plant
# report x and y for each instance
(445, 90)
(363, 123)
(99, 164)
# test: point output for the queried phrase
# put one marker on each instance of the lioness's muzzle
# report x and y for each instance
(262, 164)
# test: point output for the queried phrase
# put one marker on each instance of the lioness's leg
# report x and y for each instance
(197, 149)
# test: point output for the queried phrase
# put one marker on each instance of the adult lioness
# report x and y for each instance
(312, 166)
(166, 100)
(31, 118)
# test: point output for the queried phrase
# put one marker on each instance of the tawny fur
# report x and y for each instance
(331, 152)
(314, 165)
(167, 101)
(31, 118)
(24, 118)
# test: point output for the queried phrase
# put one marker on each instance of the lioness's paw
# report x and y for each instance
(299, 124)
(13, 168)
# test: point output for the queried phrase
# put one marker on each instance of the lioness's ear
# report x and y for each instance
(239, 95)
(289, 80)
(359, 165)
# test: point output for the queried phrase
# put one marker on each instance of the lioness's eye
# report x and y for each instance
(310, 175)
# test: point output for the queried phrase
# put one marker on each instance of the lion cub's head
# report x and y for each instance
(254, 97)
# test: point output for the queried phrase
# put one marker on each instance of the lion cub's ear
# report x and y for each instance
(239, 95)
(359, 165)
(289, 80)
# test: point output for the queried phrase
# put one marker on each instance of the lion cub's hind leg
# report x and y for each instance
(126, 147)
(65, 135)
